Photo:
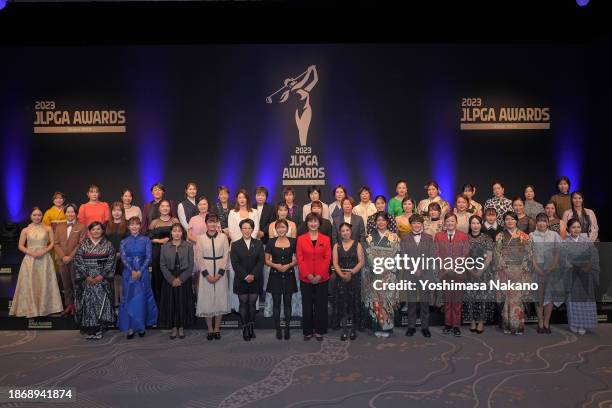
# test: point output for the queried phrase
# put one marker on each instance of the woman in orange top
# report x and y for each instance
(314, 258)
(94, 210)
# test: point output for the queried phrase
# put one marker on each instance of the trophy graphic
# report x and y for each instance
(298, 88)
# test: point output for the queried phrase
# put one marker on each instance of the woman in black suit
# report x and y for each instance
(247, 256)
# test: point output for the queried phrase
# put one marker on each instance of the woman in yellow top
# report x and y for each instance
(403, 224)
(55, 214)
(433, 196)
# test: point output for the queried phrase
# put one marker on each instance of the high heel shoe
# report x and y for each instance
(344, 336)
(353, 334)
(142, 334)
(251, 328)
(217, 335)
(245, 334)
(279, 333)
(210, 336)
(130, 335)
(287, 333)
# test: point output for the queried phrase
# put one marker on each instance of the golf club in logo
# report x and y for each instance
(303, 168)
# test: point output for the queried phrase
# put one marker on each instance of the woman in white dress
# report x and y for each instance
(211, 259)
(37, 292)
(241, 211)
(314, 193)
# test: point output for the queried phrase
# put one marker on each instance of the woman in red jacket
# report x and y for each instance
(314, 257)
(454, 244)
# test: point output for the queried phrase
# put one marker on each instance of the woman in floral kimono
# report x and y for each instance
(513, 258)
(380, 304)
(94, 273)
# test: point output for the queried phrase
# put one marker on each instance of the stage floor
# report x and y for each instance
(492, 369)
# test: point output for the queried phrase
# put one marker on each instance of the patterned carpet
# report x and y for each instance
(488, 370)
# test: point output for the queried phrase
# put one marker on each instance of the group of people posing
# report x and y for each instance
(167, 264)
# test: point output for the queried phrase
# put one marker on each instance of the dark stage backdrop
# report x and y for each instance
(379, 113)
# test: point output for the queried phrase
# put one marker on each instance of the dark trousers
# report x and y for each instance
(452, 308)
(276, 308)
(67, 272)
(423, 314)
(314, 308)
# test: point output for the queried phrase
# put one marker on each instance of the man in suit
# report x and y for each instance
(68, 236)
(265, 212)
(453, 244)
(358, 229)
(418, 244)
(325, 226)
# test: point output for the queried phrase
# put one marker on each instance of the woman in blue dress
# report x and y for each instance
(138, 308)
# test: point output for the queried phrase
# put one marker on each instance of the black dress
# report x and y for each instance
(177, 303)
(157, 277)
(222, 213)
(281, 282)
(115, 238)
(349, 293)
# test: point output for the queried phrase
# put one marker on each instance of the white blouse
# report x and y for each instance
(306, 210)
(233, 224)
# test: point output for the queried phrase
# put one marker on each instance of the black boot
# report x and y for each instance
(287, 332)
(279, 333)
(245, 333)
(251, 327)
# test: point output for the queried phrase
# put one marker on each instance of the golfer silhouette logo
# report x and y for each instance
(298, 89)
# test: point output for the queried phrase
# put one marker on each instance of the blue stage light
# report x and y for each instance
(582, 3)
(2, 4)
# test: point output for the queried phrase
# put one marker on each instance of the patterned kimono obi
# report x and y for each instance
(94, 302)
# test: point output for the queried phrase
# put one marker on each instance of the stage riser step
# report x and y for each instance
(231, 321)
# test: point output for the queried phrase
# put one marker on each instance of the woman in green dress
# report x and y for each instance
(380, 304)
(395, 204)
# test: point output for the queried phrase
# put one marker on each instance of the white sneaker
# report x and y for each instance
(582, 331)
(573, 329)
(385, 334)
